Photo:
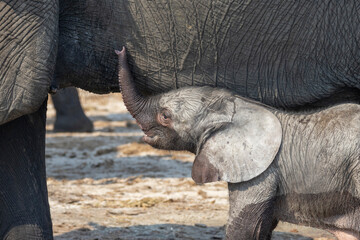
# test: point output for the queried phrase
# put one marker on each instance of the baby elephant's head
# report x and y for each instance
(166, 126)
(234, 139)
(186, 117)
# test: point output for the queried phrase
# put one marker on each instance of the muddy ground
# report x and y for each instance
(109, 185)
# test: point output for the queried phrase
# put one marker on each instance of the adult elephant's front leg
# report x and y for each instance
(251, 208)
(24, 207)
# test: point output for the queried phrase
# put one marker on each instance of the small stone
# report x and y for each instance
(84, 229)
(109, 163)
(104, 151)
(200, 225)
(216, 237)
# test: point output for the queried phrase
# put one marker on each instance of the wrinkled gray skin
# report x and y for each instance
(70, 116)
(306, 171)
(288, 54)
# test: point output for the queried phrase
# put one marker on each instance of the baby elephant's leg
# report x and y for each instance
(252, 222)
(251, 210)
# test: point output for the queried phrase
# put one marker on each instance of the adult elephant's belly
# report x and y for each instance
(283, 54)
(323, 210)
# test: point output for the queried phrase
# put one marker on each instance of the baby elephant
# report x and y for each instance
(298, 168)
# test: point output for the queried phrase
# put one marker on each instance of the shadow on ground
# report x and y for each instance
(157, 231)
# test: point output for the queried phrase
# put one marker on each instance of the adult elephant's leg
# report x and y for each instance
(70, 116)
(24, 207)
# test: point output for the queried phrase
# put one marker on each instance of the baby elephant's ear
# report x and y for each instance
(242, 149)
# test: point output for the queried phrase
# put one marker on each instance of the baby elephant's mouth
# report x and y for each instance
(150, 138)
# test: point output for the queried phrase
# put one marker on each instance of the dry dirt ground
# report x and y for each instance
(109, 185)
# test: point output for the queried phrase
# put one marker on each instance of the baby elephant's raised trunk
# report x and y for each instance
(133, 100)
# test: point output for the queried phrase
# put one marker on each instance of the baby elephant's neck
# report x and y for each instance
(298, 133)
(305, 134)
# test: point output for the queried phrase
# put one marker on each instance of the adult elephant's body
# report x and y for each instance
(284, 53)
(287, 54)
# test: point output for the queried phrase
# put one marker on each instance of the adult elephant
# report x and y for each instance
(288, 54)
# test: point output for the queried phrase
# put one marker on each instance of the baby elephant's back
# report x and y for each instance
(321, 151)
(339, 143)
(340, 124)
(344, 122)
(343, 116)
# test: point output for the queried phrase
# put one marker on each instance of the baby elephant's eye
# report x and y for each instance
(164, 118)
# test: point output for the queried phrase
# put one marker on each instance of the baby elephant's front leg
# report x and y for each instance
(251, 210)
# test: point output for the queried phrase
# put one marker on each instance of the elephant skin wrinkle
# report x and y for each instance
(300, 54)
(329, 210)
(27, 55)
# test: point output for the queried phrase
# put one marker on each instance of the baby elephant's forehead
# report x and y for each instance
(196, 92)
(183, 96)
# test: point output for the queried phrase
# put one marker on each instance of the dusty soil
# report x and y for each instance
(109, 185)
